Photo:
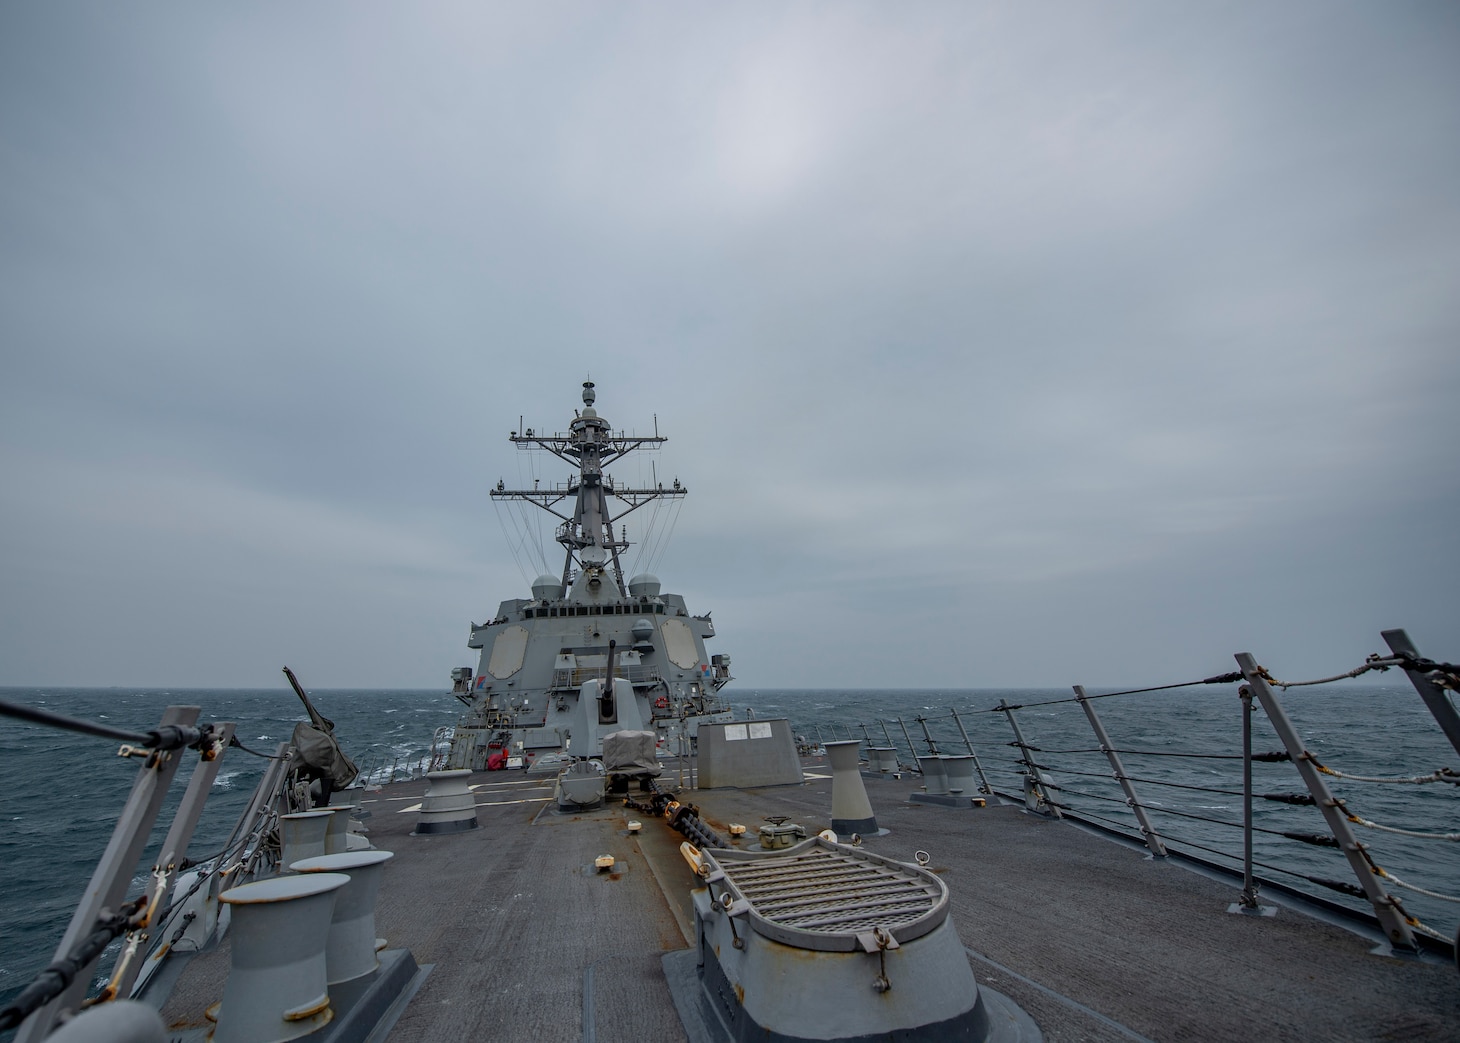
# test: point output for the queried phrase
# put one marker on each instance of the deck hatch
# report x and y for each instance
(819, 895)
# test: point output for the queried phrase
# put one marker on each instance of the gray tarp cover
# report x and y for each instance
(318, 749)
(630, 753)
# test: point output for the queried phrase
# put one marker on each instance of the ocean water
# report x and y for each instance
(61, 792)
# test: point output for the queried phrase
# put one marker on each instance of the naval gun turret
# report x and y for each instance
(544, 661)
(606, 705)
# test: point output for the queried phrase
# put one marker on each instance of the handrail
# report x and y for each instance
(62, 993)
(1038, 767)
(104, 912)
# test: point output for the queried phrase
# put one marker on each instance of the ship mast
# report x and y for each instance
(587, 533)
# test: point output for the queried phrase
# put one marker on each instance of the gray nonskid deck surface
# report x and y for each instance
(512, 915)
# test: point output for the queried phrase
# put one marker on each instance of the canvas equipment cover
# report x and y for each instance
(630, 753)
(317, 749)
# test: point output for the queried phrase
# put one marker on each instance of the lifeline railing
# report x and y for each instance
(158, 916)
(379, 768)
(1094, 784)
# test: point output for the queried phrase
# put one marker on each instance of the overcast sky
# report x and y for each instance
(998, 345)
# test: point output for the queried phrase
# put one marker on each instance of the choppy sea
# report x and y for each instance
(61, 792)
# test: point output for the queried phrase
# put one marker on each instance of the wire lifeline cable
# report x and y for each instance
(1378, 871)
(1278, 797)
(1229, 678)
(1151, 753)
(1342, 886)
(164, 738)
(1123, 828)
(1203, 818)
(1357, 671)
(1439, 775)
(233, 742)
(1342, 806)
(1286, 834)
(1275, 757)
(1360, 820)
(1404, 660)
(59, 974)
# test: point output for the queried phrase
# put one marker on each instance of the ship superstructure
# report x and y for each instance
(542, 659)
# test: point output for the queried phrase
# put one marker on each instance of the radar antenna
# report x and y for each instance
(587, 533)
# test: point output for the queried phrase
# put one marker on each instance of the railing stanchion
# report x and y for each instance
(175, 847)
(1153, 839)
(1390, 912)
(1440, 706)
(885, 735)
(983, 779)
(910, 745)
(113, 875)
(927, 736)
(1249, 902)
(1034, 780)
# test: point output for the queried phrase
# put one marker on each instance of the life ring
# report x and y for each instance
(661, 703)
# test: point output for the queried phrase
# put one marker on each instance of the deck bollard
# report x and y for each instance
(882, 759)
(935, 773)
(120, 1021)
(277, 986)
(337, 831)
(354, 839)
(302, 834)
(851, 811)
(959, 767)
(352, 945)
(449, 806)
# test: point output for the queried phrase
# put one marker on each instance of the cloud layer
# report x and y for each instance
(997, 346)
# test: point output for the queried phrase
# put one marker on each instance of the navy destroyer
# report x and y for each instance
(537, 654)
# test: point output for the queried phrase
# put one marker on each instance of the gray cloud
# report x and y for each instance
(997, 345)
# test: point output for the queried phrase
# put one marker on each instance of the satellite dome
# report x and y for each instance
(645, 584)
(547, 588)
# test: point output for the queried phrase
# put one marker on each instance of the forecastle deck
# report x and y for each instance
(1096, 941)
